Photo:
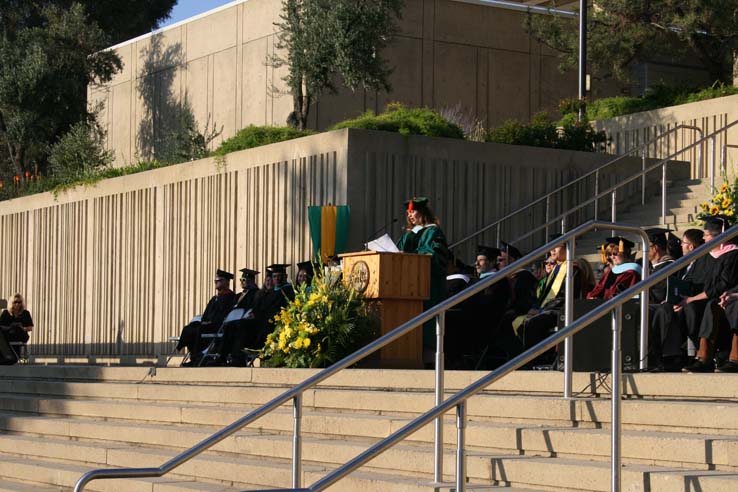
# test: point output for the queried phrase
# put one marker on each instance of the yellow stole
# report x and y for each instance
(558, 281)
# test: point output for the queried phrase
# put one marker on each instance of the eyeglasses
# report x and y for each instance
(686, 243)
(218, 279)
(17, 302)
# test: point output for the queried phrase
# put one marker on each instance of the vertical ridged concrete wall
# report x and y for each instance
(138, 253)
(633, 130)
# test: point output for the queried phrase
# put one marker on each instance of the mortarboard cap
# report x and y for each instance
(245, 272)
(622, 243)
(511, 250)
(416, 203)
(223, 274)
(716, 224)
(657, 235)
(307, 266)
(489, 252)
(278, 268)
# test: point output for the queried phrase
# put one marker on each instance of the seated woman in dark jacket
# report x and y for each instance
(15, 324)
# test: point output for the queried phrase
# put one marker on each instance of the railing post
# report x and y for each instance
(438, 437)
(616, 396)
(568, 315)
(460, 445)
(498, 234)
(643, 178)
(663, 193)
(643, 364)
(712, 162)
(548, 215)
(597, 192)
(297, 443)
(614, 207)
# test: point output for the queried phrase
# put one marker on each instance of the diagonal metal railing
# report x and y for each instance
(546, 200)
(438, 312)
(458, 400)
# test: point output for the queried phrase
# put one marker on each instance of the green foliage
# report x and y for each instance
(255, 136)
(656, 97)
(542, 131)
(407, 121)
(81, 149)
(324, 41)
(326, 321)
(621, 31)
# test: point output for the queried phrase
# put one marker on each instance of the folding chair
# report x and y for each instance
(213, 350)
(20, 349)
(175, 339)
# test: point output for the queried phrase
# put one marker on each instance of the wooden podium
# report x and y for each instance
(398, 283)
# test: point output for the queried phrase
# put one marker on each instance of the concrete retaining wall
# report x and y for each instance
(118, 267)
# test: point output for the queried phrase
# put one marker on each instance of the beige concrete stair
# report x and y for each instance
(64, 420)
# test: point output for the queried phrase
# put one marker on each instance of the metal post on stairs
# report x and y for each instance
(614, 206)
(712, 163)
(460, 445)
(663, 193)
(438, 436)
(616, 397)
(297, 443)
(568, 317)
(643, 178)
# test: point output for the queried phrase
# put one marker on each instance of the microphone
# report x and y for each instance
(381, 230)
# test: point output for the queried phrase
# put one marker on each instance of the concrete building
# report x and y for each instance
(213, 69)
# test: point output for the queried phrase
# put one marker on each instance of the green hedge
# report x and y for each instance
(407, 121)
(542, 131)
(656, 97)
(256, 136)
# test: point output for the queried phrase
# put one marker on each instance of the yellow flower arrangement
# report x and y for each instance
(722, 203)
(325, 322)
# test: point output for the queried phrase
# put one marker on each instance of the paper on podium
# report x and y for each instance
(383, 243)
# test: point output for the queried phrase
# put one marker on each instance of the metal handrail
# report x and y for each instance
(459, 399)
(438, 312)
(547, 197)
(663, 163)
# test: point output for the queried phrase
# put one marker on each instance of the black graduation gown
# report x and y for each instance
(215, 312)
(237, 335)
(723, 277)
(270, 304)
(667, 329)
(657, 293)
(523, 291)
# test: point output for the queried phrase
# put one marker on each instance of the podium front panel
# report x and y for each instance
(388, 275)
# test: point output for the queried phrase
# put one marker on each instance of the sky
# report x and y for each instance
(189, 8)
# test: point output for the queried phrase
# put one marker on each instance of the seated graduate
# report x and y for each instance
(667, 336)
(522, 282)
(242, 333)
(272, 302)
(534, 326)
(215, 312)
(623, 274)
(305, 274)
(16, 323)
(722, 278)
(458, 276)
(658, 257)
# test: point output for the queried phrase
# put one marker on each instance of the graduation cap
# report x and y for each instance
(307, 266)
(657, 235)
(489, 252)
(417, 202)
(247, 273)
(716, 224)
(622, 243)
(278, 268)
(511, 250)
(221, 274)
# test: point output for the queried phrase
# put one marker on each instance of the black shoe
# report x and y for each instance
(700, 365)
(728, 366)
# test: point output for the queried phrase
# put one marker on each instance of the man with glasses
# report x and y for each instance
(668, 321)
(215, 312)
(658, 257)
(723, 277)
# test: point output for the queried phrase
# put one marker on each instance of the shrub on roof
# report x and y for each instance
(407, 121)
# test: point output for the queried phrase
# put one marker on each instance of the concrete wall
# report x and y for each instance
(138, 253)
(630, 131)
(213, 68)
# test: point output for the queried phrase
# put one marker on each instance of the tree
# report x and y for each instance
(324, 41)
(48, 56)
(123, 20)
(619, 31)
